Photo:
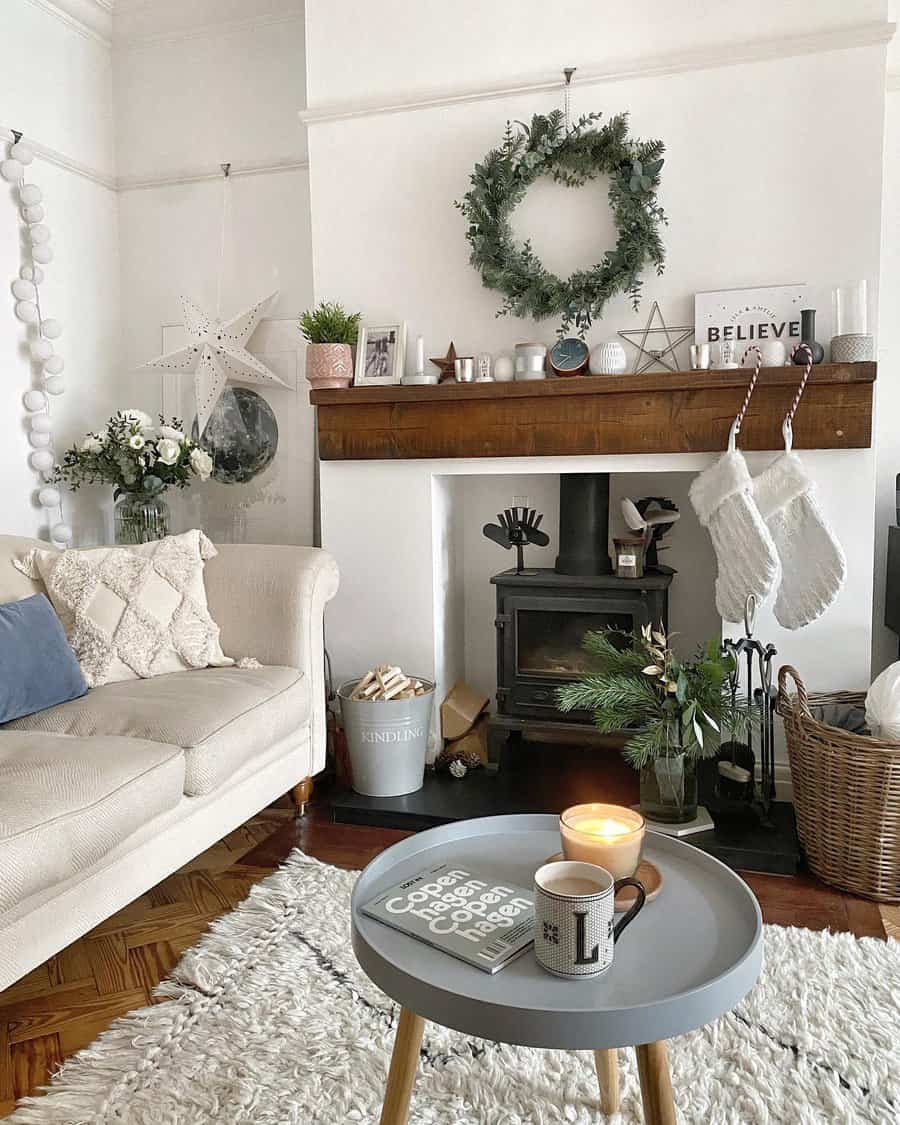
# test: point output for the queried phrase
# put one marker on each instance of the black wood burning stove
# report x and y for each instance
(542, 615)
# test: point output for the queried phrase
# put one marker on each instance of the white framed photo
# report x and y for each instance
(380, 354)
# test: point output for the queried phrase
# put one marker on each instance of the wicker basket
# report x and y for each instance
(846, 795)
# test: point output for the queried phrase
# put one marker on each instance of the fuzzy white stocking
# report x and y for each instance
(722, 496)
(813, 567)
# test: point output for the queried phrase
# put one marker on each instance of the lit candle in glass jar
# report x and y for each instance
(607, 835)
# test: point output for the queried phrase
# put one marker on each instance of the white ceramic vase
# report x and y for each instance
(608, 358)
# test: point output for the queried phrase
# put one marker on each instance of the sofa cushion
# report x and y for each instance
(221, 717)
(37, 666)
(66, 802)
(133, 612)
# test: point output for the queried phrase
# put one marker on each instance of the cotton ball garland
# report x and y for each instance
(12, 170)
(23, 290)
(61, 533)
(27, 311)
(39, 439)
(54, 365)
(40, 232)
(51, 329)
(35, 400)
(22, 151)
(32, 273)
(33, 214)
(42, 253)
(54, 385)
(49, 497)
(40, 423)
(42, 460)
(31, 194)
(42, 349)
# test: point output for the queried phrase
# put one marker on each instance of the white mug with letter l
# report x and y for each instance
(574, 904)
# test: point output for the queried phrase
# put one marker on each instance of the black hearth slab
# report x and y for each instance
(444, 799)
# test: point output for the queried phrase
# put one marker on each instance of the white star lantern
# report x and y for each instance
(216, 354)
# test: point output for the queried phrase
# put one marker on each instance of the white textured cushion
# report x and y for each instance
(65, 802)
(133, 612)
(221, 717)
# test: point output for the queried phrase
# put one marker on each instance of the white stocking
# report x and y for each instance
(722, 496)
(813, 566)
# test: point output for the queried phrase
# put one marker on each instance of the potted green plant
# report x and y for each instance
(673, 711)
(331, 333)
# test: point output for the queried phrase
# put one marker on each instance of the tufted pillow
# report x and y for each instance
(133, 612)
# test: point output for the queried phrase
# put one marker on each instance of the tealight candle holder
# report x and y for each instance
(609, 836)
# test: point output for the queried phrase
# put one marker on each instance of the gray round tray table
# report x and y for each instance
(687, 958)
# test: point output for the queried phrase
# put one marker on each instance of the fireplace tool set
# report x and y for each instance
(514, 528)
(736, 796)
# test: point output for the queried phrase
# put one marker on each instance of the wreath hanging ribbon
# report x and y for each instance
(573, 157)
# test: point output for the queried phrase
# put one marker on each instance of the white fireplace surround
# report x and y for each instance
(415, 567)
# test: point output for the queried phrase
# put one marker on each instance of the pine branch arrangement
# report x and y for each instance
(545, 147)
(667, 706)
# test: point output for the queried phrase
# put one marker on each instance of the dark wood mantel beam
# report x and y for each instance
(681, 412)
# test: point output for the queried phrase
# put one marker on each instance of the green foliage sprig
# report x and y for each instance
(672, 706)
(134, 454)
(328, 323)
(499, 184)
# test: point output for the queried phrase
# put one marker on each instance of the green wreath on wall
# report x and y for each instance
(572, 157)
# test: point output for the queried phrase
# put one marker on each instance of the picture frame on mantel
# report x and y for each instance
(380, 355)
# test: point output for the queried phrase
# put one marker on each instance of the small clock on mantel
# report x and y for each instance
(569, 357)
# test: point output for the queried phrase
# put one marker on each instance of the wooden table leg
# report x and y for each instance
(607, 1064)
(402, 1075)
(656, 1083)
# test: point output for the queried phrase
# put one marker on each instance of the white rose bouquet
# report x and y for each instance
(135, 455)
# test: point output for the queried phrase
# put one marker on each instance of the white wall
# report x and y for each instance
(196, 85)
(64, 103)
(884, 642)
(751, 184)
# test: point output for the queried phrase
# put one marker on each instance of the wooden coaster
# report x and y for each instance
(648, 873)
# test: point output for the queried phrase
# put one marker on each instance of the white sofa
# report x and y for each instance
(103, 796)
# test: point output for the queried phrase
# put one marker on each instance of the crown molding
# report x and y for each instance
(651, 66)
(90, 18)
(60, 160)
(219, 29)
(203, 175)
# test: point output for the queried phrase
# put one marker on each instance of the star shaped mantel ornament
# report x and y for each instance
(216, 353)
(444, 364)
(656, 355)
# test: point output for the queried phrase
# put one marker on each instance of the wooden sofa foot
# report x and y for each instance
(301, 795)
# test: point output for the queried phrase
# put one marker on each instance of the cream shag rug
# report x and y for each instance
(270, 1021)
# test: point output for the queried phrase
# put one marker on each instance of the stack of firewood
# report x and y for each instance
(387, 681)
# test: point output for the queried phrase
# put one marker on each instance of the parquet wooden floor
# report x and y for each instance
(65, 1003)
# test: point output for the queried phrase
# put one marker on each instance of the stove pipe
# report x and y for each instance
(583, 524)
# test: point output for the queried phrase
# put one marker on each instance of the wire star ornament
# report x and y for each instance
(217, 353)
(656, 355)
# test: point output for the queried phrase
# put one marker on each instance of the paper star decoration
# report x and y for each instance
(656, 355)
(445, 363)
(216, 354)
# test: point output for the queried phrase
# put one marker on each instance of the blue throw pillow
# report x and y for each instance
(38, 668)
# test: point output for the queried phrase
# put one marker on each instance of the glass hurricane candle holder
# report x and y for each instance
(608, 835)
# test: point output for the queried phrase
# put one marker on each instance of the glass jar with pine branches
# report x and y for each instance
(671, 711)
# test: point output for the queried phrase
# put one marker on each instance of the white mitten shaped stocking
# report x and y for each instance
(722, 496)
(813, 566)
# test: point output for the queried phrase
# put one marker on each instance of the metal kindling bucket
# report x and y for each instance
(387, 740)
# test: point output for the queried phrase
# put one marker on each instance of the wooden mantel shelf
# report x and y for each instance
(680, 412)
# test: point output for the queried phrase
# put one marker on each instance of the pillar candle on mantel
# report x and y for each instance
(420, 355)
(608, 835)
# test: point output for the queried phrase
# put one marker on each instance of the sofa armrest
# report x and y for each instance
(269, 602)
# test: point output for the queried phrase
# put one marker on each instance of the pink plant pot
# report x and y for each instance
(329, 365)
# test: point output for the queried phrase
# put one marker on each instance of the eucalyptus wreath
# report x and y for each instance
(572, 157)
